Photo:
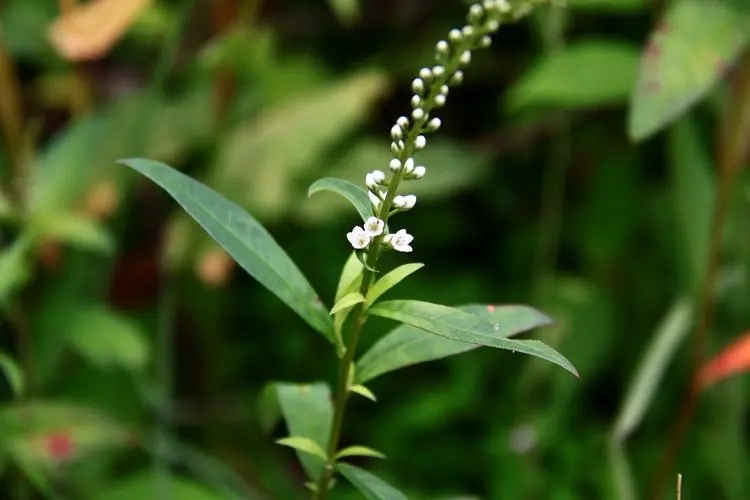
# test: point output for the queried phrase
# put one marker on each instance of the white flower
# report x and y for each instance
(409, 166)
(396, 133)
(419, 172)
(417, 86)
(374, 199)
(374, 227)
(402, 122)
(400, 241)
(395, 165)
(420, 142)
(374, 179)
(440, 100)
(406, 202)
(434, 124)
(358, 238)
(418, 114)
(465, 57)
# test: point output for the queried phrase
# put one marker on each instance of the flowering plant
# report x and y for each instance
(428, 331)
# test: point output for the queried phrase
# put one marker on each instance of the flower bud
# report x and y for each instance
(397, 147)
(457, 78)
(403, 122)
(395, 165)
(475, 14)
(418, 114)
(438, 71)
(468, 31)
(396, 133)
(418, 172)
(442, 47)
(420, 142)
(455, 35)
(485, 41)
(440, 100)
(492, 25)
(416, 101)
(465, 57)
(434, 124)
(409, 166)
(425, 74)
(417, 86)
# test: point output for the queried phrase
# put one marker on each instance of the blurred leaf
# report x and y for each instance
(24, 26)
(89, 30)
(347, 302)
(688, 52)
(308, 413)
(6, 207)
(348, 11)
(406, 345)
(371, 486)
(249, 244)
(622, 475)
(15, 269)
(39, 436)
(642, 389)
(694, 190)
(351, 271)
(364, 392)
(454, 324)
(732, 360)
(583, 74)
(148, 486)
(106, 338)
(261, 161)
(390, 280)
(355, 194)
(13, 373)
(358, 451)
(76, 230)
(303, 444)
(615, 6)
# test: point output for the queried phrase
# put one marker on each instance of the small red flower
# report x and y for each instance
(59, 446)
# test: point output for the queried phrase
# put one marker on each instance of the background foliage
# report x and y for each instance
(591, 165)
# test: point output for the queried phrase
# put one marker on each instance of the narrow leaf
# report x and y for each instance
(347, 302)
(371, 486)
(390, 280)
(303, 444)
(732, 360)
(147, 485)
(13, 373)
(364, 392)
(358, 451)
(659, 354)
(687, 54)
(76, 230)
(356, 195)
(407, 345)
(308, 413)
(244, 239)
(351, 271)
(458, 325)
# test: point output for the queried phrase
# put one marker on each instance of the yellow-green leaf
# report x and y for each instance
(363, 391)
(303, 444)
(358, 451)
(347, 302)
(390, 280)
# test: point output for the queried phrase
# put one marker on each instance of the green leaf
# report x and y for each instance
(244, 239)
(106, 338)
(78, 231)
(614, 6)
(15, 269)
(458, 325)
(583, 74)
(148, 485)
(687, 54)
(348, 11)
(390, 280)
(308, 413)
(347, 302)
(358, 451)
(694, 191)
(407, 345)
(351, 272)
(303, 444)
(371, 486)
(661, 351)
(356, 195)
(13, 373)
(363, 391)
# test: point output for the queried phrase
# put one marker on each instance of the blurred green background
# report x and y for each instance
(536, 193)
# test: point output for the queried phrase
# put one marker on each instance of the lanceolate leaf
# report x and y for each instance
(347, 302)
(244, 239)
(458, 325)
(358, 451)
(303, 444)
(353, 193)
(308, 414)
(13, 373)
(407, 345)
(390, 280)
(689, 51)
(371, 486)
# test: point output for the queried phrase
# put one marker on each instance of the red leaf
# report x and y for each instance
(732, 360)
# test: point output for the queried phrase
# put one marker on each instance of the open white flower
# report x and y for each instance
(399, 241)
(358, 237)
(374, 227)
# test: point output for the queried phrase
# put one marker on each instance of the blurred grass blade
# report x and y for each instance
(732, 360)
(353, 193)
(246, 240)
(406, 345)
(454, 324)
(694, 190)
(78, 231)
(308, 413)
(390, 280)
(584, 74)
(622, 475)
(13, 373)
(667, 338)
(89, 30)
(371, 486)
(688, 52)
(15, 268)
(146, 485)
